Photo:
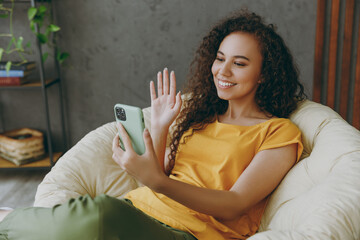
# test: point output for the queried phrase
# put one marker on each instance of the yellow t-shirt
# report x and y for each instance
(214, 158)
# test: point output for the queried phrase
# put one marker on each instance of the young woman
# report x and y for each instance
(231, 146)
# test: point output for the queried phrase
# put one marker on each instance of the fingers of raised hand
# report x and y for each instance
(166, 88)
(166, 81)
(160, 84)
(178, 102)
(172, 84)
(165, 85)
(152, 91)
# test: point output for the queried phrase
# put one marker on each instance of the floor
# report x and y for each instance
(18, 188)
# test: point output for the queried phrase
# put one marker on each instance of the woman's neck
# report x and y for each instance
(243, 113)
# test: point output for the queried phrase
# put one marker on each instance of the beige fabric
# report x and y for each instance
(87, 168)
(320, 196)
(318, 199)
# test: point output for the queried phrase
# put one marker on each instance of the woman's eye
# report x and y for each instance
(239, 64)
(219, 59)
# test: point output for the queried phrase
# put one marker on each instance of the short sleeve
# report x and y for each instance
(280, 134)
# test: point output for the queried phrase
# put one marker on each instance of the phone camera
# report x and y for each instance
(120, 113)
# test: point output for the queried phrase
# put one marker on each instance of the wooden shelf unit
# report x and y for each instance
(41, 84)
(32, 84)
(43, 163)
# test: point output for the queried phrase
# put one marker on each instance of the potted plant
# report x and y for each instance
(41, 24)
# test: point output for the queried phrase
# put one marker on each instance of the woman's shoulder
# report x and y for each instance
(280, 125)
(279, 121)
(275, 121)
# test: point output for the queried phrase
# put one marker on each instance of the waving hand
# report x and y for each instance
(165, 106)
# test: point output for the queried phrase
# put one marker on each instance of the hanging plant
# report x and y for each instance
(39, 17)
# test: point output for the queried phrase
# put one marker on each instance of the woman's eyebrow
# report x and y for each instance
(236, 56)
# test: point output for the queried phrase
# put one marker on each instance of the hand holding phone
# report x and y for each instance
(135, 164)
(133, 121)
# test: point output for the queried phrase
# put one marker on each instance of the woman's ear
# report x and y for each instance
(261, 80)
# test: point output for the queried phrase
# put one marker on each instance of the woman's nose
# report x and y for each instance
(225, 69)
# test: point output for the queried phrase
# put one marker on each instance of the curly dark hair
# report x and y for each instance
(277, 95)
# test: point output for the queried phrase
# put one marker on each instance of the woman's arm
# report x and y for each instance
(259, 179)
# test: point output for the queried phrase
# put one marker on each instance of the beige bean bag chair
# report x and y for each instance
(318, 199)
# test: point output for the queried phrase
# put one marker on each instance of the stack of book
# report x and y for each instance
(17, 75)
(22, 146)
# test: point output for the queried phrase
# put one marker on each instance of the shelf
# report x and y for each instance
(33, 84)
(44, 163)
(41, 84)
(24, 1)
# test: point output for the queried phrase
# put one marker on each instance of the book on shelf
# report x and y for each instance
(15, 73)
(13, 81)
(22, 146)
(19, 162)
(18, 66)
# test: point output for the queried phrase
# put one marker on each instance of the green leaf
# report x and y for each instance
(1, 53)
(45, 56)
(5, 15)
(38, 19)
(13, 40)
(42, 38)
(19, 43)
(62, 56)
(28, 44)
(53, 28)
(47, 32)
(39, 22)
(31, 13)
(8, 66)
(39, 16)
(32, 26)
(41, 10)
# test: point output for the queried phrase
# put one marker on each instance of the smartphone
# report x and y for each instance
(133, 121)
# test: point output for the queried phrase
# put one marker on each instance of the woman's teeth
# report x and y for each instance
(226, 84)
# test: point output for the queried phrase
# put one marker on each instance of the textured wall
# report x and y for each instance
(118, 46)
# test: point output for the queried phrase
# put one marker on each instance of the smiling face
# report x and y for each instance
(237, 67)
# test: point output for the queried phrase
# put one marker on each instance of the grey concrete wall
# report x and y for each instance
(118, 46)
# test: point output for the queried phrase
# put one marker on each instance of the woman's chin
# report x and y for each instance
(223, 96)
